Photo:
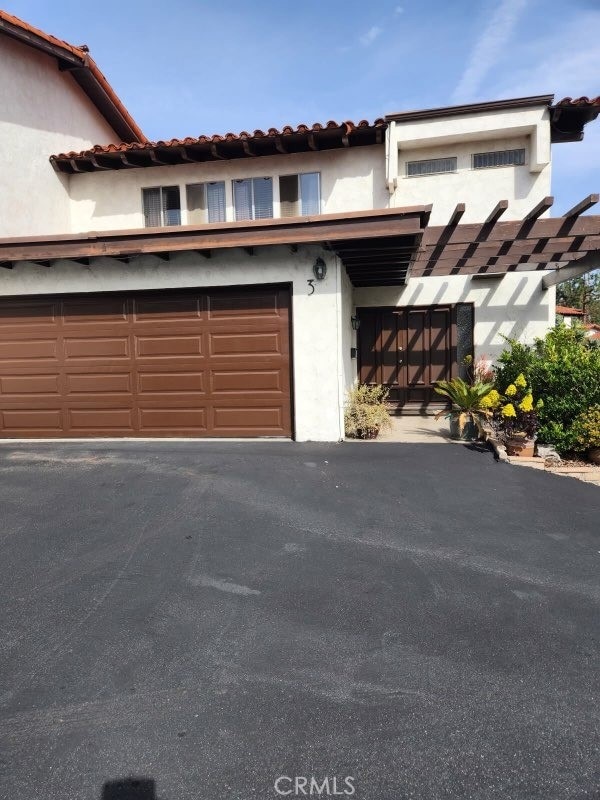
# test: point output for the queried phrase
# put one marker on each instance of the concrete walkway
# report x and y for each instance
(417, 430)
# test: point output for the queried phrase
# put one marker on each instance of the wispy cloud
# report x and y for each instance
(489, 48)
(369, 37)
(399, 10)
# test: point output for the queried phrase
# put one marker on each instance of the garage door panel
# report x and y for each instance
(244, 380)
(197, 363)
(168, 346)
(32, 419)
(174, 419)
(100, 420)
(170, 382)
(174, 309)
(25, 385)
(94, 310)
(97, 348)
(98, 383)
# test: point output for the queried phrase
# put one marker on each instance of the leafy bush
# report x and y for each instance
(468, 401)
(586, 429)
(366, 412)
(564, 371)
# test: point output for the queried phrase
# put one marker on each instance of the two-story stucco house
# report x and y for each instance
(237, 285)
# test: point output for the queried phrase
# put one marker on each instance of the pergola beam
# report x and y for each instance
(575, 269)
(586, 203)
(540, 209)
(457, 214)
(497, 212)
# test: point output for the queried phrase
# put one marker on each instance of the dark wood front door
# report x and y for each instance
(408, 349)
(195, 362)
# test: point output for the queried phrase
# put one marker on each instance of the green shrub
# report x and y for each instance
(366, 412)
(586, 429)
(564, 371)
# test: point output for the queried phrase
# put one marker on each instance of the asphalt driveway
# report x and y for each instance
(211, 617)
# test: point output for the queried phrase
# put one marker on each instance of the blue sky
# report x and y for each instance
(192, 67)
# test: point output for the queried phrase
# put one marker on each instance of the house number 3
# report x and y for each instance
(311, 283)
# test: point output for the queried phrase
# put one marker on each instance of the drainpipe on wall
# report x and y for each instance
(391, 158)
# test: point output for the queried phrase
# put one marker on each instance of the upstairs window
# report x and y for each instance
(205, 202)
(499, 158)
(253, 198)
(161, 206)
(300, 195)
(430, 166)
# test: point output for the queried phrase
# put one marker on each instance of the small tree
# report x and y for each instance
(583, 293)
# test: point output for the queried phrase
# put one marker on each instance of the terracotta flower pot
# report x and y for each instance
(594, 455)
(520, 446)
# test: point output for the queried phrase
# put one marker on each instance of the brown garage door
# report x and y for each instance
(186, 363)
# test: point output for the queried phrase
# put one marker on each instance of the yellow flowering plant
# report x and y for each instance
(518, 410)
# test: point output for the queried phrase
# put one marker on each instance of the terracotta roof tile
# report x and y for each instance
(569, 311)
(347, 127)
(35, 37)
(578, 101)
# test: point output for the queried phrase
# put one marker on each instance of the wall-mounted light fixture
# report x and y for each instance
(355, 323)
(319, 269)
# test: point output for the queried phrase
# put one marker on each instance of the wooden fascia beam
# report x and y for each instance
(586, 203)
(74, 166)
(156, 160)
(279, 146)
(185, 156)
(127, 162)
(215, 153)
(312, 142)
(247, 149)
(93, 160)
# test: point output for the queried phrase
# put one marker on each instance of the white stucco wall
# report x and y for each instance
(42, 112)
(514, 306)
(479, 189)
(352, 179)
(316, 318)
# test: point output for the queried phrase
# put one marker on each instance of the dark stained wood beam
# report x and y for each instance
(497, 212)
(85, 262)
(75, 167)
(184, 155)
(279, 145)
(156, 160)
(166, 256)
(6, 264)
(541, 207)
(457, 214)
(205, 253)
(586, 203)
(215, 152)
(247, 149)
(42, 262)
(312, 142)
(130, 161)
(248, 250)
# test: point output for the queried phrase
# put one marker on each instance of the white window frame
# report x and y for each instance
(298, 176)
(204, 185)
(498, 152)
(161, 189)
(251, 180)
(434, 171)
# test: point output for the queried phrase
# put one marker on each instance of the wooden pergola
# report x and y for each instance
(493, 248)
(382, 247)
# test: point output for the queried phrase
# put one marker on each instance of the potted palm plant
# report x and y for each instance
(468, 410)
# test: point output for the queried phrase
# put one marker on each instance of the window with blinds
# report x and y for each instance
(161, 206)
(499, 158)
(300, 195)
(430, 166)
(253, 198)
(205, 202)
